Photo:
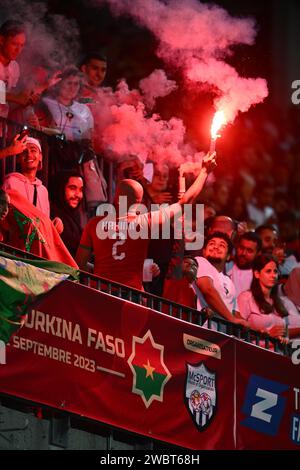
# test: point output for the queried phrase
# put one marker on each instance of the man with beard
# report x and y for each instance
(272, 244)
(67, 199)
(213, 288)
(240, 271)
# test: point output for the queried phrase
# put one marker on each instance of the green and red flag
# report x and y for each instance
(29, 229)
(21, 284)
(150, 373)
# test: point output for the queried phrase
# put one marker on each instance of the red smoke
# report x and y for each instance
(197, 38)
(124, 126)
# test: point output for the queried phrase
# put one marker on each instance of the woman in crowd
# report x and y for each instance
(263, 308)
(60, 110)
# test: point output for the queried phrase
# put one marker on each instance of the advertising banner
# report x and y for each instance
(128, 366)
(268, 400)
(125, 365)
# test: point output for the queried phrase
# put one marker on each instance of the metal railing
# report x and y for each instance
(168, 307)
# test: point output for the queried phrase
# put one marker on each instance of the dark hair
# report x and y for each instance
(252, 237)
(12, 28)
(58, 183)
(66, 73)
(3, 193)
(261, 228)
(265, 307)
(97, 55)
(191, 257)
(70, 72)
(221, 235)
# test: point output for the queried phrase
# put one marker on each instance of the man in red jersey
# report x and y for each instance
(120, 240)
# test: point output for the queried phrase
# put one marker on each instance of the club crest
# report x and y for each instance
(200, 394)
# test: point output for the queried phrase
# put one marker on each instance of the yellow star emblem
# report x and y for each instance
(149, 369)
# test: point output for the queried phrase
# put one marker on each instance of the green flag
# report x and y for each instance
(21, 283)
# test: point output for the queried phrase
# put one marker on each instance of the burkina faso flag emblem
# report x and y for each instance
(150, 373)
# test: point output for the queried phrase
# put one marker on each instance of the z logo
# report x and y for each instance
(264, 405)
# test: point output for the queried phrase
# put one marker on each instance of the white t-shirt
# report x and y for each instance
(75, 121)
(221, 282)
(9, 74)
(241, 278)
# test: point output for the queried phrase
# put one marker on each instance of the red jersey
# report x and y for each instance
(119, 257)
(180, 291)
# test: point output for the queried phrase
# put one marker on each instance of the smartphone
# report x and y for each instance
(24, 131)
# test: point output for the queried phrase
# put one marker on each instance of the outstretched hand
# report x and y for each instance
(17, 146)
(209, 161)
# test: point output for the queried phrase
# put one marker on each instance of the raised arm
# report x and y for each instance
(16, 147)
(195, 189)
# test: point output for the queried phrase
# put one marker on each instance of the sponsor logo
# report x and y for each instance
(150, 373)
(295, 429)
(296, 94)
(296, 354)
(2, 352)
(201, 346)
(200, 394)
(264, 405)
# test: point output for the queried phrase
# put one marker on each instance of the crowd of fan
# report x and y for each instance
(247, 271)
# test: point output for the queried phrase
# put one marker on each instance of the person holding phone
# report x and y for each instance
(17, 146)
(26, 182)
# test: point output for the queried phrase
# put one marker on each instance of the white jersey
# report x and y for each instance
(241, 278)
(9, 74)
(222, 283)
